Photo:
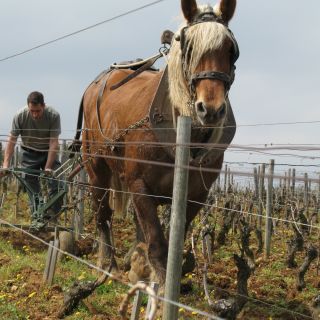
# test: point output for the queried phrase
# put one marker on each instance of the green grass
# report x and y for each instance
(19, 260)
(10, 311)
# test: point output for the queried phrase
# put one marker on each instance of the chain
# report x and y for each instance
(136, 125)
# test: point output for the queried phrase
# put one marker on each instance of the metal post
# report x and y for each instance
(178, 218)
(269, 210)
(155, 287)
(135, 312)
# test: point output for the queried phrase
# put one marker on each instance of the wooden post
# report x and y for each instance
(63, 152)
(261, 189)
(310, 188)
(1, 155)
(51, 261)
(306, 189)
(217, 184)
(225, 179)
(289, 182)
(15, 163)
(78, 219)
(229, 181)
(178, 218)
(269, 210)
(284, 187)
(293, 181)
(256, 183)
(1, 185)
(318, 200)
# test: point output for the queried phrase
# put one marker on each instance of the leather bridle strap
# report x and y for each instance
(212, 75)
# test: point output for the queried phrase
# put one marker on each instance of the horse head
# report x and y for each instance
(202, 62)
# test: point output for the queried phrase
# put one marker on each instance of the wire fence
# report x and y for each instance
(177, 304)
(300, 186)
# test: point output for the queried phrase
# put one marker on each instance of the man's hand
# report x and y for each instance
(48, 172)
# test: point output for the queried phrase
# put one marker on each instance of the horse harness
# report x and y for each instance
(138, 124)
(227, 79)
(160, 114)
(138, 66)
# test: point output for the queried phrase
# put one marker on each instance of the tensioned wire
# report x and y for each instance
(81, 30)
(246, 147)
(169, 198)
(236, 148)
(193, 168)
(204, 127)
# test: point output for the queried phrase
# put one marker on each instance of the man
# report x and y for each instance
(39, 128)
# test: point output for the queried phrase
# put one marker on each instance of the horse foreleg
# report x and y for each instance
(103, 222)
(146, 210)
(103, 218)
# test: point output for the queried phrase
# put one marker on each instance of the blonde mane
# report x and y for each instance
(202, 38)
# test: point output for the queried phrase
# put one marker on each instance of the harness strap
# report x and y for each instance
(144, 67)
(213, 75)
(98, 103)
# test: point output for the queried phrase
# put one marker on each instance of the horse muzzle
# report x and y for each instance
(210, 115)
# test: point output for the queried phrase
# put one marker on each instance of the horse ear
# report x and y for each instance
(189, 9)
(225, 9)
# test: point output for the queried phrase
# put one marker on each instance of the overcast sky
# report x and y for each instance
(277, 77)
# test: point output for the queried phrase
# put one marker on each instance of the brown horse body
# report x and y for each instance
(131, 159)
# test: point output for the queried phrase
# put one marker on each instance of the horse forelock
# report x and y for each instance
(201, 39)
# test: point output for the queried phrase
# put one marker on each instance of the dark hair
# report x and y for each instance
(35, 97)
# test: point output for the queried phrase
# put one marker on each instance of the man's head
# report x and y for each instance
(36, 104)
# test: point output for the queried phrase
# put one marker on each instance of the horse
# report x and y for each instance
(121, 149)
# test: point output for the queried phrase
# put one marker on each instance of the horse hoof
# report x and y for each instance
(189, 262)
(139, 265)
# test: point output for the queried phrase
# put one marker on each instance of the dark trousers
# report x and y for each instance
(37, 161)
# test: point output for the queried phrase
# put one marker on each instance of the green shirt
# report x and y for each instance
(36, 134)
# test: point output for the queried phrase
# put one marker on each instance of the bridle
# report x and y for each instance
(226, 78)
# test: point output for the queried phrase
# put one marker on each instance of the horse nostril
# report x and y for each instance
(200, 108)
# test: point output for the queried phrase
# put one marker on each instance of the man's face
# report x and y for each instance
(36, 110)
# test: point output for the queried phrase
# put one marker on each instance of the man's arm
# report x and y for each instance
(8, 154)
(9, 151)
(52, 153)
